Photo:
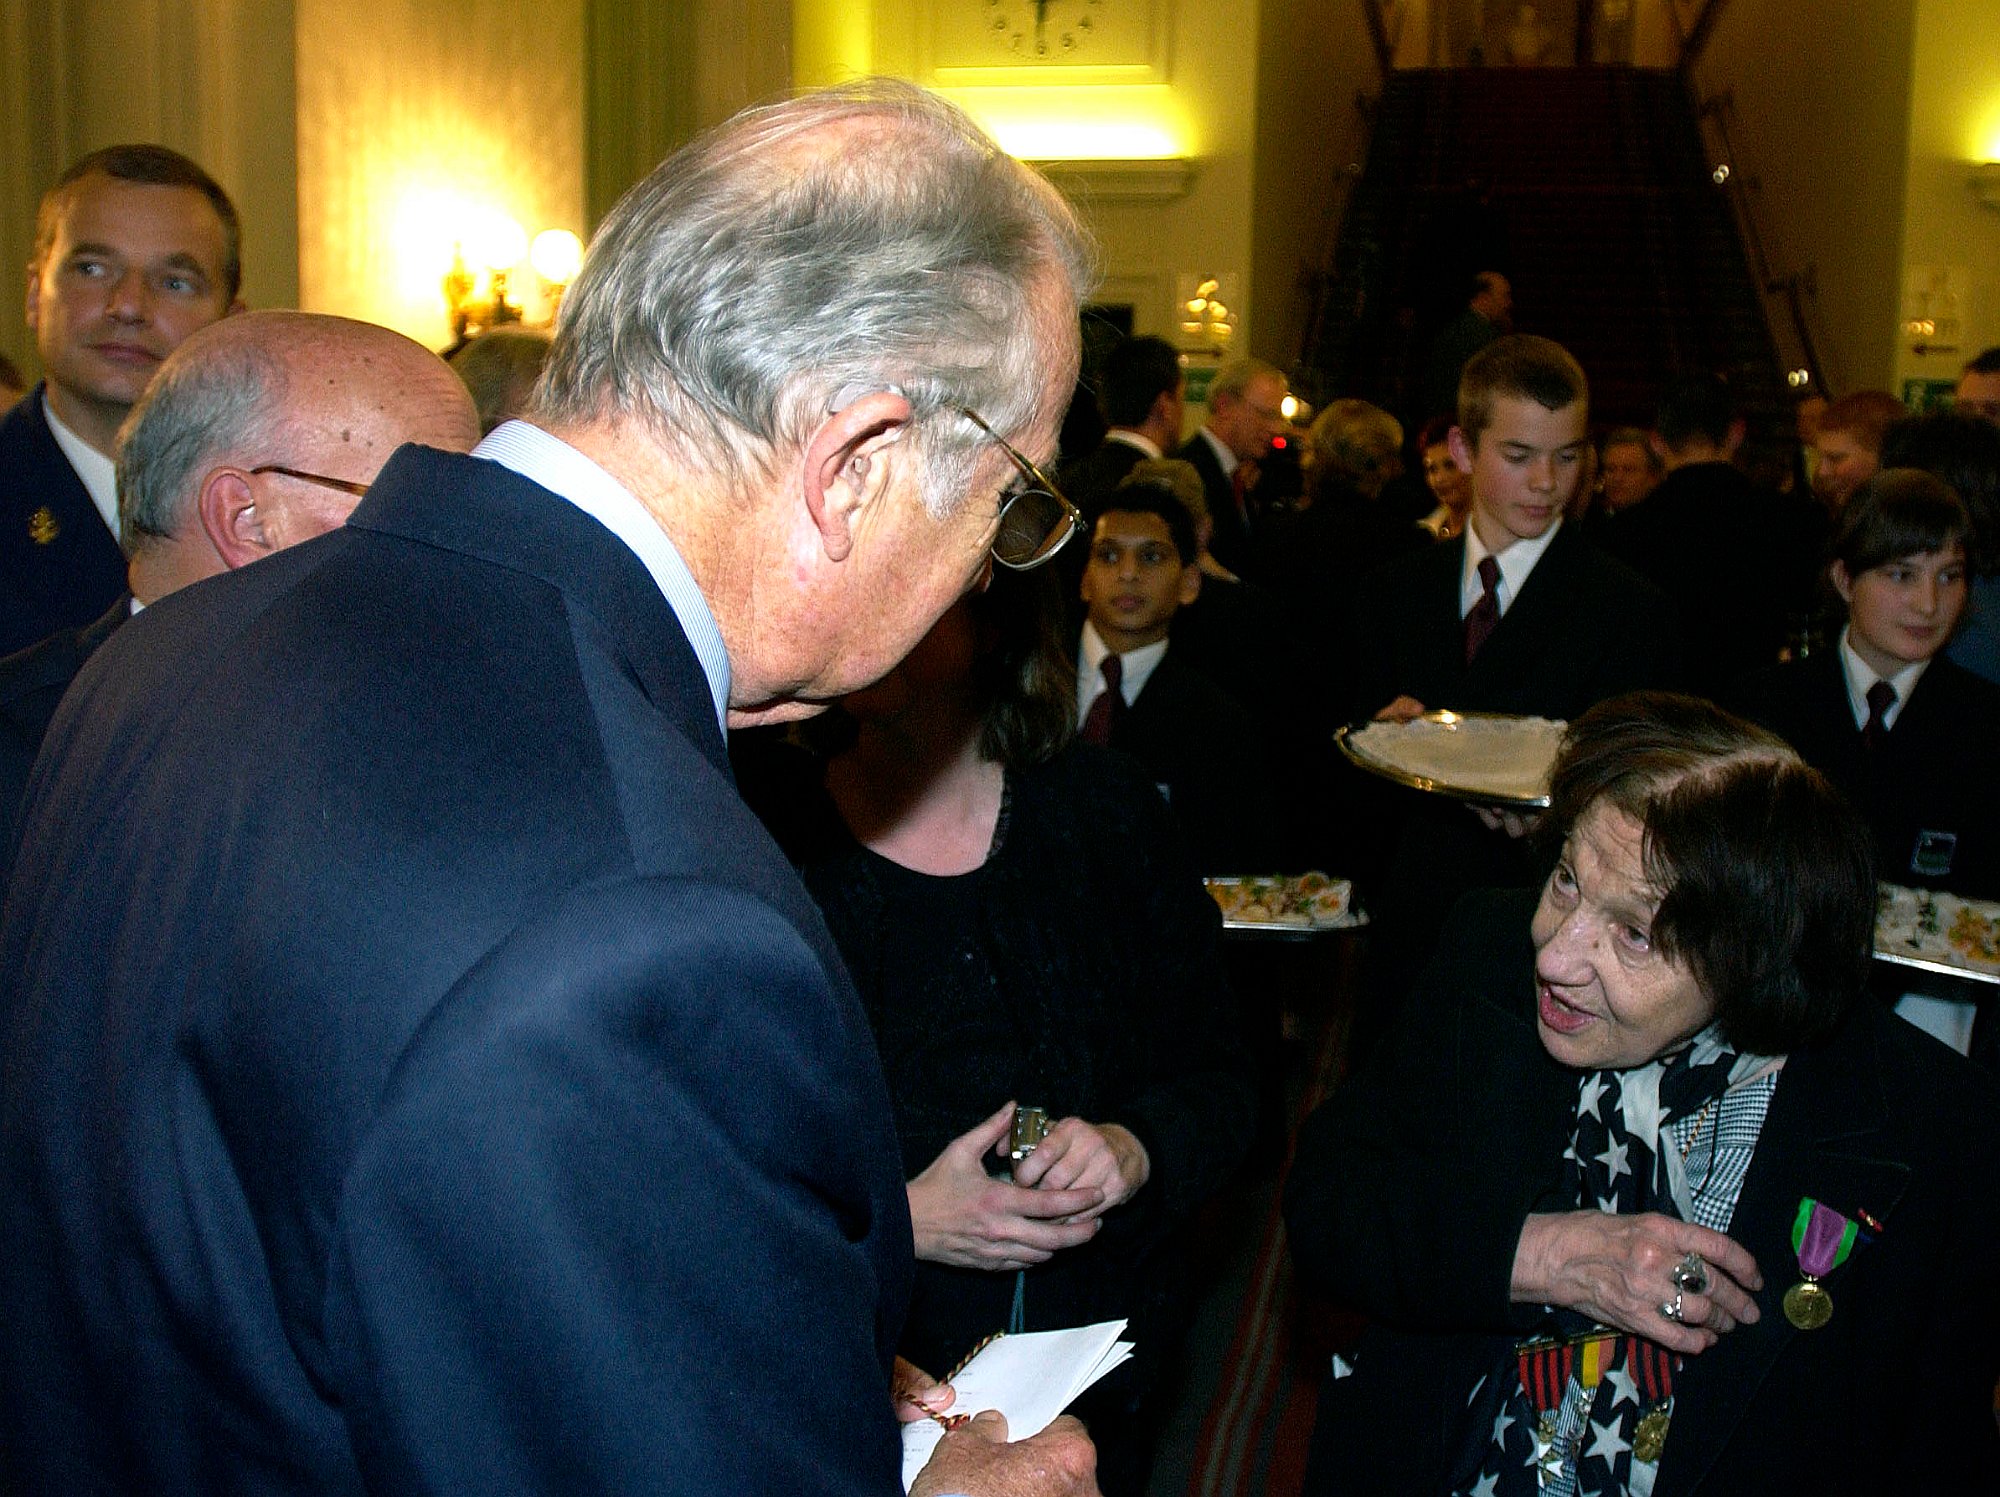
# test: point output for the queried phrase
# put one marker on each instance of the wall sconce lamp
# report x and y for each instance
(1205, 321)
(1986, 184)
(476, 290)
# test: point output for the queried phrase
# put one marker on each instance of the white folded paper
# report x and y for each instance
(1031, 1378)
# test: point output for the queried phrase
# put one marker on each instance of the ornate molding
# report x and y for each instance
(1135, 181)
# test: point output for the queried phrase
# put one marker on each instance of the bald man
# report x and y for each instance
(260, 431)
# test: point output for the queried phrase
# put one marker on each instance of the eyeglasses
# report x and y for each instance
(345, 485)
(1035, 522)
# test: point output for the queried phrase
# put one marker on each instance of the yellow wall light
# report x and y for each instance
(1985, 134)
(1087, 123)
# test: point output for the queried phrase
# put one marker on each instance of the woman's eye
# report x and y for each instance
(1636, 938)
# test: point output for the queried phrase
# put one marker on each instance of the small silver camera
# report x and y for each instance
(1031, 1126)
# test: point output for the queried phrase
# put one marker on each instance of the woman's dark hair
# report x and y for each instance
(1023, 674)
(1965, 452)
(1899, 512)
(1768, 873)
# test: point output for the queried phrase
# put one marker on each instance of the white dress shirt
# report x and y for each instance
(98, 472)
(1861, 676)
(1146, 445)
(1516, 562)
(1138, 666)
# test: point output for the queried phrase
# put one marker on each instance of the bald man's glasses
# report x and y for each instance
(345, 485)
(1035, 521)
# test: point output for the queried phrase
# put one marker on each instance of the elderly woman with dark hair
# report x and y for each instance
(1024, 927)
(1645, 1196)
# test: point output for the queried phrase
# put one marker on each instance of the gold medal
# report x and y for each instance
(1807, 1305)
(43, 527)
(1651, 1436)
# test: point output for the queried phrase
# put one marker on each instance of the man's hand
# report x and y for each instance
(976, 1460)
(1516, 824)
(965, 1217)
(1619, 1270)
(916, 1394)
(1402, 710)
(1094, 1156)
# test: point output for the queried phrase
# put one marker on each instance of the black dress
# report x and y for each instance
(1078, 969)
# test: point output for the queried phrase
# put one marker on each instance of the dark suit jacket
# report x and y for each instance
(1737, 564)
(422, 1071)
(1584, 628)
(1411, 1186)
(1089, 480)
(1231, 544)
(1257, 650)
(60, 566)
(1314, 557)
(1934, 771)
(1202, 747)
(32, 682)
(1445, 360)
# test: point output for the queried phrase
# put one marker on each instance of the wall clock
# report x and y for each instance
(978, 42)
(1043, 30)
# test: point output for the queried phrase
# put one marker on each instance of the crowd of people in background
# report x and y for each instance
(418, 1059)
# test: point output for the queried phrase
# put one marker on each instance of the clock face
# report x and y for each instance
(966, 43)
(1043, 30)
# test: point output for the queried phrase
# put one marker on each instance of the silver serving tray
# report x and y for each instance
(1902, 944)
(1483, 795)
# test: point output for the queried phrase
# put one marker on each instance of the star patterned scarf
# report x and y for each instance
(1578, 1410)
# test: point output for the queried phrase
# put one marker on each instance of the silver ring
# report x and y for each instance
(1670, 1309)
(1691, 1274)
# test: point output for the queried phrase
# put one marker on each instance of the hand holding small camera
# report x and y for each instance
(964, 1216)
(1074, 1154)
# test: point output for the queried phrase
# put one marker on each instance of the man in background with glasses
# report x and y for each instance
(422, 1072)
(199, 492)
(1246, 413)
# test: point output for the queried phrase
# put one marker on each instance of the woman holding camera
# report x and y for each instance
(1025, 929)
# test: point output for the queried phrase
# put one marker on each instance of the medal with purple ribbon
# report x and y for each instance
(1822, 1238)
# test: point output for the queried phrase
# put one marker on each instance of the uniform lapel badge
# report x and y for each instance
(43, 527)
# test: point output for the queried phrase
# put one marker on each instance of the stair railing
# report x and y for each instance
(1790, 295)
(1694, 41)
(1378, 33)
(1317, 277)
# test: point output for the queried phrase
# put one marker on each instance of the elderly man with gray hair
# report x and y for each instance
(260, 431)
(423, 1073)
